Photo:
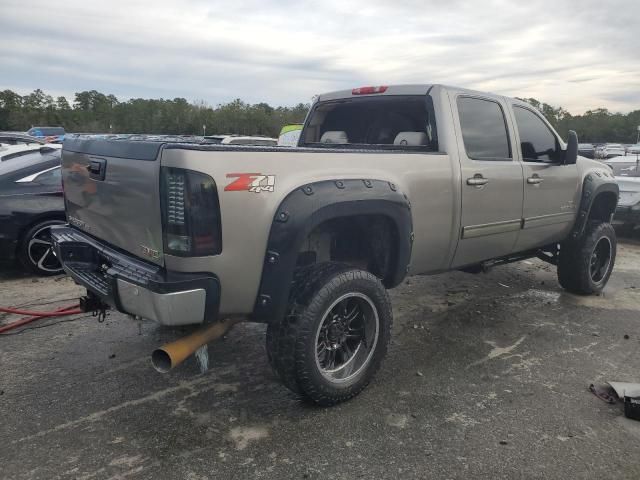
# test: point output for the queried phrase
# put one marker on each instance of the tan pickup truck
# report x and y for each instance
(385, 182)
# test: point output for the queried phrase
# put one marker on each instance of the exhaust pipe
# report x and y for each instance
(173, 354)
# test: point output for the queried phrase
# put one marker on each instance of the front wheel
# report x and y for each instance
(585, 265)
(335, 336)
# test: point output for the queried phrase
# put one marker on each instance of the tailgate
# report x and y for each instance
(112, 192)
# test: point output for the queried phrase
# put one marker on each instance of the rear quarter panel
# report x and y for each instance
(429, 181)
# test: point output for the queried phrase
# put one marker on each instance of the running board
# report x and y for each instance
(547, 254)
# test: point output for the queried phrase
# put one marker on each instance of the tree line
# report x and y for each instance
(594, 126)
(95, 112)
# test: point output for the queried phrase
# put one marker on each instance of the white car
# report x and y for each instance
(627, 172)
(611, 150)
(633, 149)
(246, 140)
(240, 140)
(15, 144)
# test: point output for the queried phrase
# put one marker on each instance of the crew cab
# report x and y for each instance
(385, 182)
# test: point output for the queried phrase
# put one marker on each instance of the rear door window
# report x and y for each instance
(484, 129)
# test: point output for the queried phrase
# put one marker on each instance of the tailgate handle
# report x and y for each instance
(97, 168)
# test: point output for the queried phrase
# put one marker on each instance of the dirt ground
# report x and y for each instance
(486, 377)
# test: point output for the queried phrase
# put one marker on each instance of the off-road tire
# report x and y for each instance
(574, 262)
(25, 256)
(291, 342)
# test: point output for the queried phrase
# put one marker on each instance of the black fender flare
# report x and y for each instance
(595, 183)
(308, 206)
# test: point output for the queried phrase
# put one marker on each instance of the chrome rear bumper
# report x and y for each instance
(136, 287)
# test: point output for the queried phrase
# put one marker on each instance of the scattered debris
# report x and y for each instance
(503, 285)
(604, 392)
(202, 358)
(632, 407)
(419, 374)
(504, 442)
(612, 392)
(626, 337)
(113, 355)
(626, 389)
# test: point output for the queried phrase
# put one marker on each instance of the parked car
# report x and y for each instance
(627, 172)
(586, 150)
(50, 134)
(386, 182)
(239, 140)
(14, 144)
(290, 135)
(610, 150)
(30, 203)
(19, 138)
(633, 149)
(213, 139)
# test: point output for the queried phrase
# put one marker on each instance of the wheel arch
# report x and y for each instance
(312, 205)
(598, 201)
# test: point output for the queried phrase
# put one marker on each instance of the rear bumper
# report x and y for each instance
(136, 287)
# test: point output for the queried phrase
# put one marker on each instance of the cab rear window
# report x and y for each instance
(380, 122)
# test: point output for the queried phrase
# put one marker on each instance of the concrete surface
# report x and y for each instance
(486, 377)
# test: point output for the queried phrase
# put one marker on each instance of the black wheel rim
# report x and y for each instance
(600, 260)
(41, 253)
(346, 337)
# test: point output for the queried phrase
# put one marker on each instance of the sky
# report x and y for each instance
(579, 55)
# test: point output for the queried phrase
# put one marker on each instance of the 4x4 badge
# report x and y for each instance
(251, 182)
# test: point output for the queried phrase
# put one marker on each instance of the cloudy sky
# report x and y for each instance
(581, 55)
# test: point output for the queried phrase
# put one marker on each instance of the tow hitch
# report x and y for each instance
(91, 303)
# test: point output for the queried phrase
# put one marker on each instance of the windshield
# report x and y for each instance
(400, 122)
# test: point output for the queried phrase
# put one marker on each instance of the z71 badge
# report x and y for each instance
(251, 182)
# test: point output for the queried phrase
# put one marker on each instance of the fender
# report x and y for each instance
(595, 182)
(312, 204)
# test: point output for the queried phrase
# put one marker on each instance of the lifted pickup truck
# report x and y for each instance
(385, 182)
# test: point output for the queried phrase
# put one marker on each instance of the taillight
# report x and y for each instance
(368, 90)
(190, 213)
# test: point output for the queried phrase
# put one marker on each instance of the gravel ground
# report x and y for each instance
(486, 377)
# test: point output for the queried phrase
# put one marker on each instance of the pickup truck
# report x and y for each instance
(385, 182)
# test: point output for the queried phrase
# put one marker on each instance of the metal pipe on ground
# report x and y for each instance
(173, 354)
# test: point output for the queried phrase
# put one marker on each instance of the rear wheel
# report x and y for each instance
(36, 249)
(585, 265)
(334, 339)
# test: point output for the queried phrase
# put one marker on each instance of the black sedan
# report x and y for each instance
(30, 203)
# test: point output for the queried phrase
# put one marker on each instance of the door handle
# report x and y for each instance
(477, 180)
(534, 179)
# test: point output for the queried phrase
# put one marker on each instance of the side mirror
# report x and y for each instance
(571, 153)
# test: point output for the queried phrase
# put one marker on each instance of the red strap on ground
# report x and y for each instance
(60, 312)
